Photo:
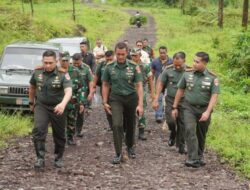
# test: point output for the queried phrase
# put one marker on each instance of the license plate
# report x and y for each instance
(22, 101)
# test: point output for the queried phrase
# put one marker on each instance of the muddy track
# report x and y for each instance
(87, 165)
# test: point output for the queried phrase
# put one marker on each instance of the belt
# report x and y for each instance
(199, 106)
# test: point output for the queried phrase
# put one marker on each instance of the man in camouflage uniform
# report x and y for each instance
(168, 80)
(50, 90)
(109, 58)
(148, 49)
(78, 96)
(87, 81)
(200, 88)
(147, 79)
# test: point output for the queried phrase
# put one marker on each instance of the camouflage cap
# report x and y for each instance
(135, 51)
(64, 55)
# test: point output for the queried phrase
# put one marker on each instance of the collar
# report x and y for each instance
(205, 72)
(183, 67)
(55, 72)
(117, 64)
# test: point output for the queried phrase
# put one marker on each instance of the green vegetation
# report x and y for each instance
(55, 20)
(13, 125)
(133, 19)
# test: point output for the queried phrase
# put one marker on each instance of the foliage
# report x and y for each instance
(134, 19)
(13, 124)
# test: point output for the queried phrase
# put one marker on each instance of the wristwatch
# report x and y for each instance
(174, 108)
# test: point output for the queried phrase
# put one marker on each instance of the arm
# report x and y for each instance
(178, 96)
(59, 109)
(139, 89)
(210, 107)
(151, 87)
(105, 95)
(32, 93)
(159, 88)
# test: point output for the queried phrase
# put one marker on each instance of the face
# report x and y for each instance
(163, 54)
(84, 48)
(77, 63)
(121, 55)
(145, 43)
(178, 61)
(109, 59)
(199, 64)
(139, 45)
(64, 63)
(99, 43)
(49, 63)
(136, 58)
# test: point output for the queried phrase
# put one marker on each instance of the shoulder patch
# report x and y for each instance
(62, 70)
(189, 70)
(211, 73)
(39, 67)
(132, 62)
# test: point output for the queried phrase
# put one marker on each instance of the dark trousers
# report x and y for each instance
(195, 131)
(123, 111)
(79, 122)
(43, 116)
(176, 127)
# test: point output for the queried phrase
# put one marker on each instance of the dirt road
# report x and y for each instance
(87, 165)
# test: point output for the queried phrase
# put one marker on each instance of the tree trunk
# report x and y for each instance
(74, 11)
(220, 13)
(32, 8)
(183, 6)
(245, 13)
(22, 5)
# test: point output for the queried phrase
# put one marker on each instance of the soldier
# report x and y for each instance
(120, 82)
(200, 88)
(109, 58)
(168, 80)
(147, 79)
(157, 66)
(87, 81)
(50, 91)
(87, 57)
(78, 98)
(148, 49)
(144, 55)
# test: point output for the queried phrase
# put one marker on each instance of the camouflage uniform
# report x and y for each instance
(78, 97)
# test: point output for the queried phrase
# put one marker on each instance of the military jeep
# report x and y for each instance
(16, 67)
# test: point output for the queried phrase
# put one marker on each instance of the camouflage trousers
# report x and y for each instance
(71, 122)
(142, 120)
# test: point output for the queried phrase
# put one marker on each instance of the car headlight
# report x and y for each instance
(3, 90)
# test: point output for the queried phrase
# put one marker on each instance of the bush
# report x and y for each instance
(133, 20)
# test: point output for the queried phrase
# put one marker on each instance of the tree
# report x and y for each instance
(74, 11)
(245, 13)
(32, 8)
(220, 13)
(183, 6)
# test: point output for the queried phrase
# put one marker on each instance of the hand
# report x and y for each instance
(204, 116)
(107, 108)
(139, 110)
(81, 109)
(155, 104)
(175, 113)
(59, 109)
(90, 97)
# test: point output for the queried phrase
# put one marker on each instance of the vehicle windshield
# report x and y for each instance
(71, 48)
(22, 58)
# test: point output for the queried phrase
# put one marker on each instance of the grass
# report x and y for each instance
(13, 125)
(55, 20)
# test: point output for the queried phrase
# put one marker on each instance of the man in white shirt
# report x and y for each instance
(144, 55)
(99, 51)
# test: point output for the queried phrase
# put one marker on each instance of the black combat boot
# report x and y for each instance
(117, 159)
(131, 152)
(141, 134)
(58, 157)
(71, 141)
(40, 153)
(172, 135)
